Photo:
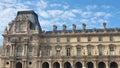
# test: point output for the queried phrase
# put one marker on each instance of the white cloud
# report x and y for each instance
(90, 7)
(102, 14)
(65, 6)
(55, 13)
(55, 5)
(8, 1)
(87, 14)
(41, 4)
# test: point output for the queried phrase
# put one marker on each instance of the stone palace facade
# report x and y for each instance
(26, 45)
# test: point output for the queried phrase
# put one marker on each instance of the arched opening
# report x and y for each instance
(101, 65)
(113, 65)
(45, 65)
(19, 65)
(90, 65)
(56, 65)
(67, 65)
(78, 65)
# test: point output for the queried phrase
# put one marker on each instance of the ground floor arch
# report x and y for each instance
(113, 65)
(90, 65)
(18, 65)
(67, 65)
(78, 65)
(56, 65)
(101, 65)
(45, 65)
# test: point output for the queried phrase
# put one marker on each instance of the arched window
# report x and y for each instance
(30, 50)
(19, 51)
(8, 51)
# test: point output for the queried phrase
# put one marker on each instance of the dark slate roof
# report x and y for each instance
(27, 12)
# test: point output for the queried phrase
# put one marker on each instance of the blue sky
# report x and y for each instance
(59, 12)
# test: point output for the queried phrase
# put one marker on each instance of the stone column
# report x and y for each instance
(84, 64)
(24, 64)
(95, 64)
(40, 64)
(107, 64)
(25, 50)
(37, 64)
(61, 65)
(13, 51)
(118, 64)
(50, 65)
(72, 65)
(63, 51)
(12, 64)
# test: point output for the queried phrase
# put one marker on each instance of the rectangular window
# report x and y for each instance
(78, 51)
(111, 50)
(89, 51)
(68, 51)
(68, 39)
(78, 39)
(58, 39)
(111, 38)
(48, 40)
(48, 52)
(57, 51)
(100, 51)
(100, 38)
(89, 38)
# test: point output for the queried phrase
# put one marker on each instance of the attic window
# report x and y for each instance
(32, 26)
(20, 27)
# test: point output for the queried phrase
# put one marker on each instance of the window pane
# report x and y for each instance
(57, 51)
(30, 51)
(68, 39)
(89, 38)
(89, 51)
(78, 51)
(68, 51)
(48, 52)
(100, 50)
(19, 51)
(111, 50)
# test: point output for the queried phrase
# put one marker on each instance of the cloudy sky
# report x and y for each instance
(91, 12)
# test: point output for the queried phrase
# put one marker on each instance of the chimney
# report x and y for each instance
(74, 27)
(104, 25)
(64, 27)
(54, 28)
(84, 26)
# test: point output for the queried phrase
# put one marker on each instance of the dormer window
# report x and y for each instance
(21, 27)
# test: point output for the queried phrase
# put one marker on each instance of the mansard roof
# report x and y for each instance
(27, 12)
